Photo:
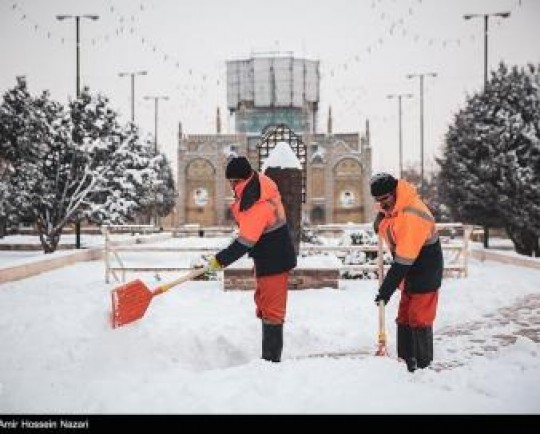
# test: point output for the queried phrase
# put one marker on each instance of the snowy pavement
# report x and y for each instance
(489, 334)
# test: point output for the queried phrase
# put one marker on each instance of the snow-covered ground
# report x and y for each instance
(197, 349)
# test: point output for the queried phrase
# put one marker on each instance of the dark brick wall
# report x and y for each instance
(242, 279)
(289, 183)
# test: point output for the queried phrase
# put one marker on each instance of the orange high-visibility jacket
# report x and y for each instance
(263, 229)
(409, 232)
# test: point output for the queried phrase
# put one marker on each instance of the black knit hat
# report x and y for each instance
(382, 183)
(238, 168)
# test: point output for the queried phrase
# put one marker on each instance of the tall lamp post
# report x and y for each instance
(77, 19)
(156, 107)
(486, 24)
(399, 97)
(132, 75)
(421, 77)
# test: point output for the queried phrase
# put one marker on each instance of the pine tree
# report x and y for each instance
(69, 165)
(166, 192)
(128, 168)
(158, 193)
(516, 111)
(23, 145)
(490, 171)
(432, 197)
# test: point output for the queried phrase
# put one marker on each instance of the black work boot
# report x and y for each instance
(423, 340)
(404, 341)
(411, 364)
(272, 341)
(405, 346)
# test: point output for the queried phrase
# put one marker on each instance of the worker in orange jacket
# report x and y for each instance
(408, 228)
(264, 234)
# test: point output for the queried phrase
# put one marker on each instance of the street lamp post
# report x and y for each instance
(77, 19)
(399, 97)
(156, 105)
(421, 77)
(486, 21)
(132, 75)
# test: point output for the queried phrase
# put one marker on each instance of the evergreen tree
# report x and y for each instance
(158, 195)
(21, 132)
(490, 171)
(5, 192)
(432, 197)
(68, 165)
(166, 192)
(516, 112)
(126, 175)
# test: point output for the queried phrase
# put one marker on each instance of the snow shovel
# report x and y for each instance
(130, 301)
(381, 341)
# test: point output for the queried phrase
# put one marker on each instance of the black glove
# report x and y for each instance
(391, 281)
(382, 297)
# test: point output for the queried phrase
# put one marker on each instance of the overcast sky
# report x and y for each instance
(365, 49)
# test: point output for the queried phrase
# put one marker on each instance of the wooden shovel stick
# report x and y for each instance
(381, 349)
(191, 275)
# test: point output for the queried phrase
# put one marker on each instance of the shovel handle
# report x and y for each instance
(380, 263)
(191, 275)
(382, 328)
(380, 259)
(381, 318)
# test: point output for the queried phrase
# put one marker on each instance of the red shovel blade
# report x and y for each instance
(130, 302)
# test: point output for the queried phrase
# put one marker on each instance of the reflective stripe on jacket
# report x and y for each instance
(410, 233)
(257, 216)
(262, 225)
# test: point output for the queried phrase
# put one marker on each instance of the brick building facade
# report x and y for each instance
(261, 92)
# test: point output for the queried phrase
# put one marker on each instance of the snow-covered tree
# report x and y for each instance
(516, 107)
(113, 165)
(490, 170)
(19, 130)
(432, 198)
(159, 193)
(5, 192)
(24, 141)
(20, 127)
(124, 176)
(166, 189)
(76, 164)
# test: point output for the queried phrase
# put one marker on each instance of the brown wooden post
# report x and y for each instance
(289, 183)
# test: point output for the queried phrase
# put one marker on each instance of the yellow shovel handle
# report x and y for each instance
(191, 275)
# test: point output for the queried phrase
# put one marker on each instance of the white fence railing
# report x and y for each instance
(454, 242)
(112, 247)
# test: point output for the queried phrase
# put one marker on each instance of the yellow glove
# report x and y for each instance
(213, 264)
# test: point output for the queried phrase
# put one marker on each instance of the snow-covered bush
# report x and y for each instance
(357, 237)
(307, 235)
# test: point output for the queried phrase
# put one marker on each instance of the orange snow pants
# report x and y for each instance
(417, 310)
(271, 297)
